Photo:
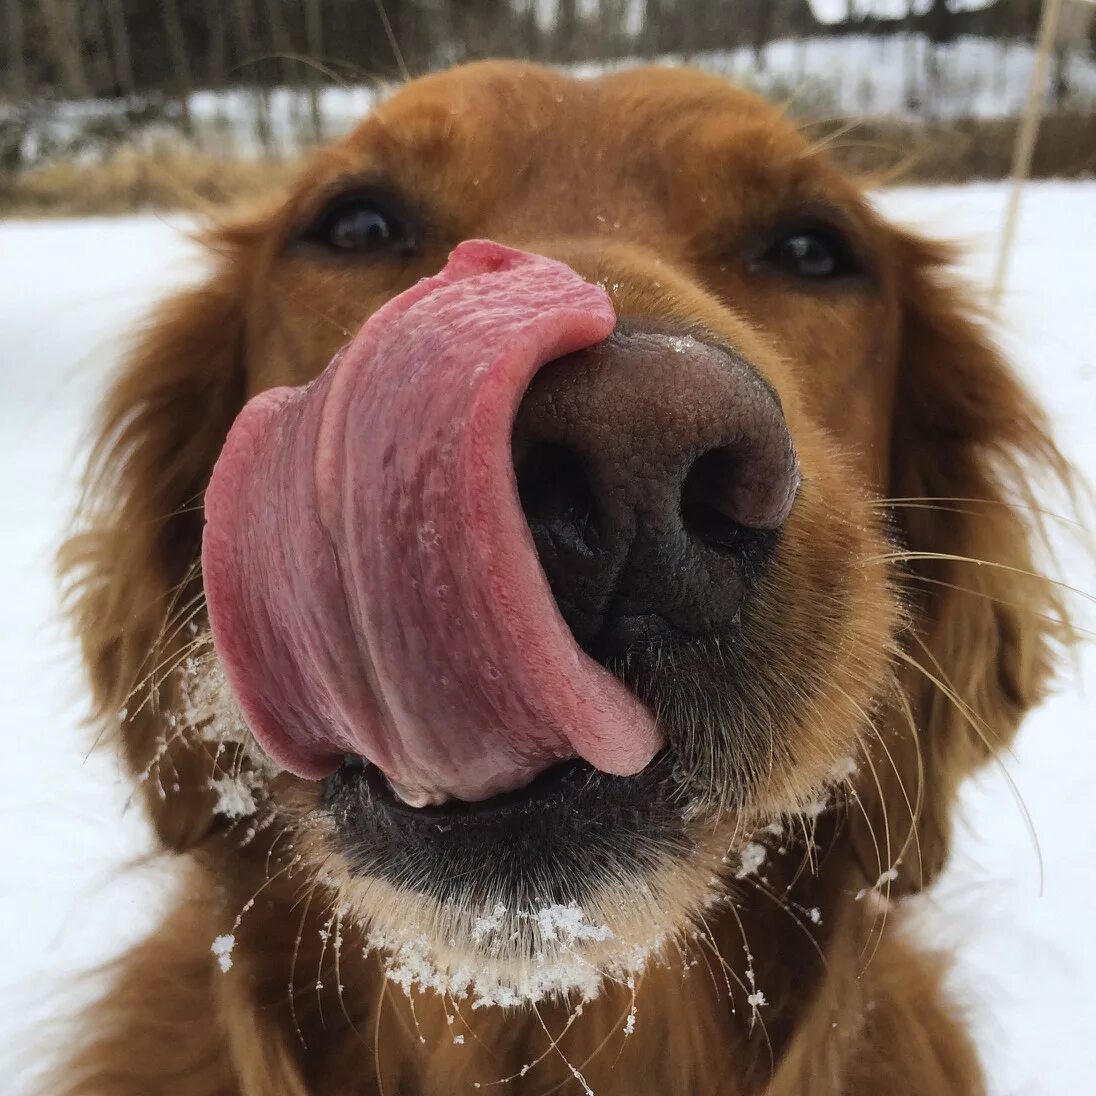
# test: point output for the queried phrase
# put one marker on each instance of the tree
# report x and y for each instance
(244, 23)
(16, 62)
(176, 44)
(314, 38)
(62, 20)
(119, 46)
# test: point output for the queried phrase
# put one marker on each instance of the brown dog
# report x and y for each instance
(754, 505)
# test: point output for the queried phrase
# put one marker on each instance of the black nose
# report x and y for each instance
(655, 472)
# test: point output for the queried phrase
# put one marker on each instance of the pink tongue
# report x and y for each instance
(371, 582)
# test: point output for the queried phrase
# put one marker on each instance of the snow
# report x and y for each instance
(834, 11)
(540, 952)
(236, 794)
(845, 74)
(753, 856)
(222, 947)
(71, 895)
(863, 75)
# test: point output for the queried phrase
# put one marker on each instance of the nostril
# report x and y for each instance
(555, 491)
(710, 505)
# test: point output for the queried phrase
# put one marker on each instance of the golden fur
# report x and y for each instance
(919, 445)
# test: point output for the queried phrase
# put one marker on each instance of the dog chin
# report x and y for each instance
(519, 954)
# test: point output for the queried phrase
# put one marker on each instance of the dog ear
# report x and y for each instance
(969, 452)
(130, 569)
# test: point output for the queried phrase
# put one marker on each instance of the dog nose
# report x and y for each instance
(655, 472)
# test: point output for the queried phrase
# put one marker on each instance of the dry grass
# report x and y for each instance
(180, 178)
(129, 180)
(909, 152)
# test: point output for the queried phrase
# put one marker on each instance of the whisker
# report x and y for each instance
(1020, 608)
(907, 556)
(992, 749)
(932, 502)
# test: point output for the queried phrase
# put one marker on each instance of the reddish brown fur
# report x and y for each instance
(896, 393)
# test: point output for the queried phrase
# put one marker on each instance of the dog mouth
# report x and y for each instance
(372, 586)
(557, 787)
(562, 838)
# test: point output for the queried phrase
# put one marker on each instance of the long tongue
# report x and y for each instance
(371, 583)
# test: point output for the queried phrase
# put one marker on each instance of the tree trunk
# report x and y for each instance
(530, 31)
(244, 20)
(762, 32)
(119, 46)
(279, 40)
(653, 34)
(566, 30)
(62, 25)
(176, 44)
(16, 63)
(98, 53)
(218, 43)
(314, 38)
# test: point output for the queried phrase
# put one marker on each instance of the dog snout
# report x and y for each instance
(655, 472)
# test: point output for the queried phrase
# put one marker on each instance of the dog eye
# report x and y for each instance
(814, 253)
(362, 224)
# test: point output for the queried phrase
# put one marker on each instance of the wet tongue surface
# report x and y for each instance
(371, 583)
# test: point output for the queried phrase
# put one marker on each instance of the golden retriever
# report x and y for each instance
(585, 648)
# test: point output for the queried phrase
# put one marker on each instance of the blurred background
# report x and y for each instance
(160, 113)
(164, 103)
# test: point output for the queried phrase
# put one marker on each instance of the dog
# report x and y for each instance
(548, 585)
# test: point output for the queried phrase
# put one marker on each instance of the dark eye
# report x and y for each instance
(815, 253)
(362, 224)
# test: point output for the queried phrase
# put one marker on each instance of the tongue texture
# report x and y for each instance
(372, 586)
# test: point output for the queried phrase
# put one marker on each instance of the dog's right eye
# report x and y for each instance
(362, 224)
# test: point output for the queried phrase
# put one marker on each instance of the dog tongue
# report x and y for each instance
(372, 586)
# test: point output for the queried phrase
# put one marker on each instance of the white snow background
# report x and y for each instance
(72, 292)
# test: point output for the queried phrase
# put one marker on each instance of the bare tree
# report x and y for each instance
(217, 52)
(566, 31)
(314, 37)
(279, 39)
(180, 63)
(244, 23)
(119, 45)
(762, 31)
(16, 62)
(62, 19)
(97, 52)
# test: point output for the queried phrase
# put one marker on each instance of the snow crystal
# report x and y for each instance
(681, 344)
(222, 947)
(483, 927)
(844, 768)
(818, 806)
(885, 878)
(547, 963)
(568, 924)
(236, 794)
(751, 858)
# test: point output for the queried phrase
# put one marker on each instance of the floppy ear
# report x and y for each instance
(130, 570)
(970, 450)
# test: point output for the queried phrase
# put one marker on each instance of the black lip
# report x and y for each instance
(552, 787)
(558, 839)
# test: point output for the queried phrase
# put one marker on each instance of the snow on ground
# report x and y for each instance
(896, 75)
(69, 294)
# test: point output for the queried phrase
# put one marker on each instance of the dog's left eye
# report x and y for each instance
(815, 253)
(362, 224)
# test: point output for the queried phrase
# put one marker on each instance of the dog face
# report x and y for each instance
(700, 490)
